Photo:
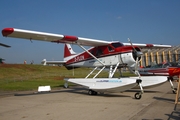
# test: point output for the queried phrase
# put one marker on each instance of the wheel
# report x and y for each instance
(90, 92)
(94, 93)
(138, 95)
(174, 90)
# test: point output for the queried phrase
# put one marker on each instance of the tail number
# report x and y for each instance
(79, 58)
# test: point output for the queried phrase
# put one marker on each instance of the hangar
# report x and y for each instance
(156, 56)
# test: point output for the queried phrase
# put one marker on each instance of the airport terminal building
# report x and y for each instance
(156, 56)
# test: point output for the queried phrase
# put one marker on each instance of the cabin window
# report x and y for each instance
(99, 52)
(110, 49)
(118, 44)
(92, 52)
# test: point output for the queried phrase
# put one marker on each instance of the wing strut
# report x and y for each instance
(99, 72)
(111, 72)
(91, 72)
(94, 58)
(91, 54)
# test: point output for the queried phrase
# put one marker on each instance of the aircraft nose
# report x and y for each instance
(137, 53)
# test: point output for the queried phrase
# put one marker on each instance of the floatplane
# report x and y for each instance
(102, 54)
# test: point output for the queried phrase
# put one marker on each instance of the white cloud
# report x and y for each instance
(119, 17)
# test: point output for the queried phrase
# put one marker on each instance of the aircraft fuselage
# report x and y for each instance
(109, 55)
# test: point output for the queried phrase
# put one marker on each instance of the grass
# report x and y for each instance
(20, 77)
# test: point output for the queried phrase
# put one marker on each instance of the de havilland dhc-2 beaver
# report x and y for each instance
(101, 55)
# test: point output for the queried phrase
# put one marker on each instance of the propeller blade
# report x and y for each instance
(131, 44)
(138, 53)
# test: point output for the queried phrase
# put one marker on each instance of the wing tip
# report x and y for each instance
(7, 31)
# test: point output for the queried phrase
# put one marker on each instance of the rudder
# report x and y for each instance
(68, 51)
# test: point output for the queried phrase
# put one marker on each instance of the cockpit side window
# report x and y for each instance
(92, 52)
(110, 49)
(166, 65)
(157, 66)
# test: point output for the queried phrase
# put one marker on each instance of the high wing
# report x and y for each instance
(58, 38)
(148, 45)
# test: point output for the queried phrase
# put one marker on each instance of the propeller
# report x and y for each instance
(137, 54)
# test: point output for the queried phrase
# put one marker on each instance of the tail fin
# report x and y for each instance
(68, 52)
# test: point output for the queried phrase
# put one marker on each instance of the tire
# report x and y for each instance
(174, 91)
(138, 96)
(90, 92)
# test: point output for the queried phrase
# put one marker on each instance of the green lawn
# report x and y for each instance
(18, 77)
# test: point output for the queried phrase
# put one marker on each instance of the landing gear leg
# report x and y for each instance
(174, 90)
(66, 85)
(138, 95)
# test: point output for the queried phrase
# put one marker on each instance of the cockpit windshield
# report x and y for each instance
(118, 44)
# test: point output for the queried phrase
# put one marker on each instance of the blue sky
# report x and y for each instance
(143, 21)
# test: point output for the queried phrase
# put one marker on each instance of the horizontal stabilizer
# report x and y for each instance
(45, 62)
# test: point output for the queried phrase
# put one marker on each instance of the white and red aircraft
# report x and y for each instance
(102, 54)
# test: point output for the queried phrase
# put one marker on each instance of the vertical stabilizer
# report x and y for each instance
(68, 52)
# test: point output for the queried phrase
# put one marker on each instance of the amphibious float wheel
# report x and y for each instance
(138, 95)
(90, 92)
(94, 93)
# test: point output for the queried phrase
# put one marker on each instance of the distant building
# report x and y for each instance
(157, 56)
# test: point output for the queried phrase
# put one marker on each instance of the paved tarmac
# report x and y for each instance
(75, 104)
